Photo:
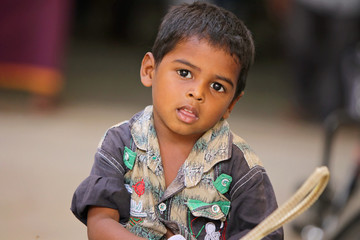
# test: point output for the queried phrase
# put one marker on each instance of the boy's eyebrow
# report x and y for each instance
(187, 63)
(197, 68)
(225, 79)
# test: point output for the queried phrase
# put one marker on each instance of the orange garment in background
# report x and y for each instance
(32, 44)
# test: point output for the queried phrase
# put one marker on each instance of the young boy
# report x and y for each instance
(176, 168)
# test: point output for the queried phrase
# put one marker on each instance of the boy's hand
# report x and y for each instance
(103, 223)
(177, 237)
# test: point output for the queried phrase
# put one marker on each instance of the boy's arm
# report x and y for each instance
(103, 223)
(251, 193)
(105, 185)
(252, 200)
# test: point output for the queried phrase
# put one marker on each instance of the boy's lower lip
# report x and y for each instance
(186, 116)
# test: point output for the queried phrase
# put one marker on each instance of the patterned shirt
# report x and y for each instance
(221, 191)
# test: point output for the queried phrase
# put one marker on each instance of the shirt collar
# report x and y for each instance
(213, 147)
(141, 127)
(144, 136)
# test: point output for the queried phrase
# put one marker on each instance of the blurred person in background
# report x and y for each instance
(32, 43)
(317, 33)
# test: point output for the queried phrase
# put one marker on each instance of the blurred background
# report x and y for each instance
(69, 69)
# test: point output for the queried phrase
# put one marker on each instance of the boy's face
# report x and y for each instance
(192, 87)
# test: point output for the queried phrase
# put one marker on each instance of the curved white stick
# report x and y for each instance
(304, 197)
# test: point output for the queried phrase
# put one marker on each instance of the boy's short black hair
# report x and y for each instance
(216, 25)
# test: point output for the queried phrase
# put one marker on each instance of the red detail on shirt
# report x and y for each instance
(139, 187)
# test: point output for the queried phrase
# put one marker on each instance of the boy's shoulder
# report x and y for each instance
(117, 133)
(121, 132)
(241, 147)
(244, 167)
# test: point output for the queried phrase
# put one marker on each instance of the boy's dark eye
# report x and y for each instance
(184, 73)
(218, 87)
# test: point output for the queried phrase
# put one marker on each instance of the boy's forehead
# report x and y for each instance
(203, 40)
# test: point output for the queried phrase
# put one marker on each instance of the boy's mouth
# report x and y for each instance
(187, 114)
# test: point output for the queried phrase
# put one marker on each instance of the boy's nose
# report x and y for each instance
(196, 94)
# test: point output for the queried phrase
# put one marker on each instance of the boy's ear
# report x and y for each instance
(232, 105)
(147, 69)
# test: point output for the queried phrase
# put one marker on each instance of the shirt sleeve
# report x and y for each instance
(252, 200)
(104, 187)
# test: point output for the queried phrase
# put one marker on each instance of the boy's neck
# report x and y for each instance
(174, 150)
(173, 155)
(178, 144)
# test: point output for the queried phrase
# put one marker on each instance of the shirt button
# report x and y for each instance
(215, 208)
(126, 156)
(162, 207)
(225, 182)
